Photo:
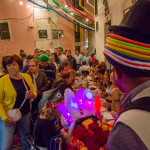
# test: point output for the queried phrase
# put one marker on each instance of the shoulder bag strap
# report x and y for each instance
(25, 96)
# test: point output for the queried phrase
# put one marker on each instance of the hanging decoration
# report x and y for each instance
(59, 14)
(85, 9)
(65, 10)
(92, 27)
(78, 10)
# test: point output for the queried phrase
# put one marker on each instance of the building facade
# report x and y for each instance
(24, 25)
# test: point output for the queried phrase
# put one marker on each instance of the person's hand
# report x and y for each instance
(106, 105)
(30, 95)
(9, 122)
(67, 137)
(113, 113)
(76, 78)
(77, 86)
(115, 93)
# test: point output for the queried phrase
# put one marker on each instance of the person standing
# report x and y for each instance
(14, 88)
(61, 56)
(36, 54)
(131, 61)
(40, 82)
(87, 58)
(45, 67)
(72, 60)
(47, 52)
(79, 59)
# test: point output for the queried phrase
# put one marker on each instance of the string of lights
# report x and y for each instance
(79, 11)
(85, 9)
(69, 15)
(59, 14)
(65, 10)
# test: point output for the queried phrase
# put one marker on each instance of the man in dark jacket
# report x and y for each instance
(45, 67)
(40, 81)
(72, 60)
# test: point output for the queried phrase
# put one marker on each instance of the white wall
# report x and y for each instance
(116, 13)
(46, 20)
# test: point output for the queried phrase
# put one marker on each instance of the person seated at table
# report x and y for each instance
(97, 77)
(84, 67)
(113, 98)
(45, 128)
(62, 69)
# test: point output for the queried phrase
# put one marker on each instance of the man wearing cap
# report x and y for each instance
(45, 67)
(128, 50)
(61, 56)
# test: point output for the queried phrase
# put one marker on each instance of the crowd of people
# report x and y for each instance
(59, 100)
(46, 76)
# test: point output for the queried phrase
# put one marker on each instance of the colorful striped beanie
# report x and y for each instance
(128, 45)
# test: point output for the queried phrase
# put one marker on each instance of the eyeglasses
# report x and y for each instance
(32, 65)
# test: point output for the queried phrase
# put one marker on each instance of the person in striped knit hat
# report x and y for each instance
(128, 50)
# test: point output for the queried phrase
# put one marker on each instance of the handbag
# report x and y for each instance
(15, 114)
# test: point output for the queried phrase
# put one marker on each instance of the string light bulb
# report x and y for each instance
(87, 19)
(66, 6)
(71, 13)
(28, 6)
(21, 2)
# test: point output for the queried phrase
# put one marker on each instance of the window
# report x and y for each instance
(77, 36)
(56, 32)
(42, 33)
(77, 48)
(105, 2)
(77, 33)
(4, 31)
(97, 28)
(75, 4)
(96, 8)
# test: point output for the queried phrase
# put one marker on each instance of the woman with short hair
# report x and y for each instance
(15, 87)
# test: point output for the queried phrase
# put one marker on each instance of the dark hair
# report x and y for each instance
(90, 63)
(21, 50)
(65, 64)
(23, 55)
(102, 70)
(92, 55)
(30, 57)
(61, 68)
(57, 82)
(10, 58)
(95, 63)
(83, 62)
(48, 50)
(36, 50)
(42, 51)
(69, 51)
(57, 60)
